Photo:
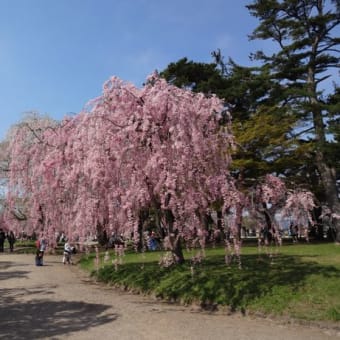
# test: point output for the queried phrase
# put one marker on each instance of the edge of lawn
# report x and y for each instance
(297, 284)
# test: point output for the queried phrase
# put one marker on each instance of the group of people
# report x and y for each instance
(41, 246)
(10, 238)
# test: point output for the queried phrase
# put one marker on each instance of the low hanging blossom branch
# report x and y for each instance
(134, 149)
(130, 149)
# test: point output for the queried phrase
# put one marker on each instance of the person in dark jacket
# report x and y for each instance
(2, 240)
(39, 258)
(11, 240)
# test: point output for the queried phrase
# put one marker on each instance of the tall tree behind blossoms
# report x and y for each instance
(306, 35)
(159, 146)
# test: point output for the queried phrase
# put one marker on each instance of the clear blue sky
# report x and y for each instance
(55, 55)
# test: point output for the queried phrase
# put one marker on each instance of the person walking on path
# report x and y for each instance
(11, 240)
(2, 240)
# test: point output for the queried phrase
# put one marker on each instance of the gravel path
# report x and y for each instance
(61, 302)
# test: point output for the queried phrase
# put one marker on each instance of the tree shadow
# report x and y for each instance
(213, 283)
(5, 275)
(9, 264)
(42, 318)
(13, 274)
(259, 277)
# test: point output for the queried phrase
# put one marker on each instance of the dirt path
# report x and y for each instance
(60, 302)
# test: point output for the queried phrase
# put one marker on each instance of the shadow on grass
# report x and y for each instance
(213, 283)
(260, 277)
(42, 319)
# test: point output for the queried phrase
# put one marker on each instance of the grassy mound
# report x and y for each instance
(300, 281)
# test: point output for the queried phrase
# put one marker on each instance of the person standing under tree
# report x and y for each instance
(41, 247)
(11, 240)
(2, 240)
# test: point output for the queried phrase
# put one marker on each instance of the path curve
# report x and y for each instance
(61, 302)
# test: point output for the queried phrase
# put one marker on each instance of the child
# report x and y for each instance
(68, 250)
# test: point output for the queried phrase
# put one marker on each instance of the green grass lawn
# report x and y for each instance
(301, 281)
(29, 247)
(20, 246)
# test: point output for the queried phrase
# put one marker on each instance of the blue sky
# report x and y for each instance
(55, 55)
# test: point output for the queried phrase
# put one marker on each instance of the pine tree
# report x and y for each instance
(308, 48)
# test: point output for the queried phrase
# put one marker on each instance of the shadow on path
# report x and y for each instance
(14, 274)
(42, 318)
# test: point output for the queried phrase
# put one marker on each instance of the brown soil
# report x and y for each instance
(59, 301)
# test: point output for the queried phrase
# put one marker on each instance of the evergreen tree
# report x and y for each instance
(307, 52)
(261, 128)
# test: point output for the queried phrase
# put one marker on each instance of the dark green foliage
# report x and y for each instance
(307, 51)
(245, 92)
(282, 111)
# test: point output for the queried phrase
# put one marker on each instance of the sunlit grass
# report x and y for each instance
(301, 281)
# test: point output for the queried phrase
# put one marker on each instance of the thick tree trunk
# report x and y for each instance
(143, 216)
(327, 174)
(337, 229)
(177, 249)
(329, 182)
(175, 238)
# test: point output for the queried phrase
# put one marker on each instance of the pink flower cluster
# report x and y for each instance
(158, 146)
